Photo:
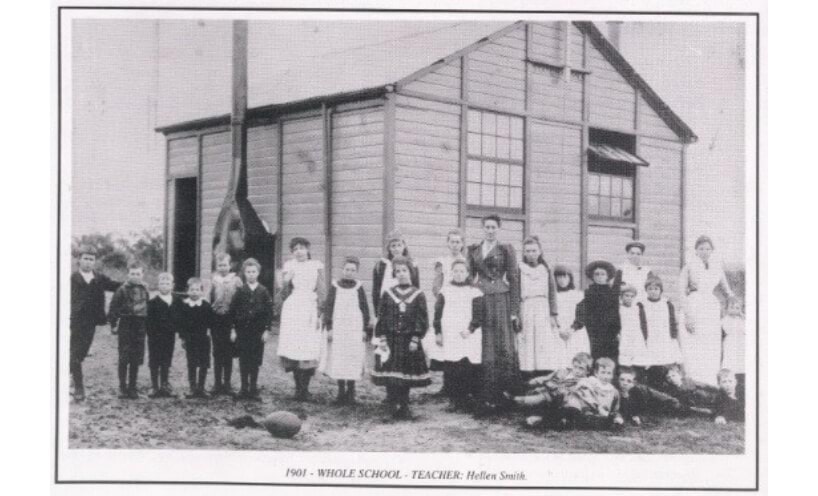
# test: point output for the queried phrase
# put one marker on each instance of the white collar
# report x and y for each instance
(193, 304)
(87, 276)
(252, 286)
(168, 298)
(220, 278)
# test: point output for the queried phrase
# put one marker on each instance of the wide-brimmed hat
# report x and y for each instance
(608, 266)
(637, 244)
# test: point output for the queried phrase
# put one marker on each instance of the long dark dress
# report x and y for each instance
(496, 275)
(403, 318)
(599, 313)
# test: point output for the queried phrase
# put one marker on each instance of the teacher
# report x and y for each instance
(701, 344)
(494, 270)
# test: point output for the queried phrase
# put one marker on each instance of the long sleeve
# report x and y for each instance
(513, 275)
(437, 284)
(380, 326)
(415, 273)
(235, 303)
(725, 285)
(267, 304)
(579, 316)
(329, 307)
(151, 325)
(684, 281)
(643, 320)
(477, 313)
(440, 303)
(321, 289)
(422, 324)
(184, 323)
(674, 325)
(615, 404)
(661, 401)
(107, 283)
(364, 307)
(115, 309)
(377, 281)
(552, 294)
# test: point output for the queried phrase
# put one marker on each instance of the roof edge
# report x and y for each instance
(673, 121)
(277, 109)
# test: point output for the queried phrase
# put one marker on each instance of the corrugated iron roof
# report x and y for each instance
(614, 154)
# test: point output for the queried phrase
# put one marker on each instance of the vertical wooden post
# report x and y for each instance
(682, 202)
(279, 243)
(166, 226)
(326, 114)
(464, 133)
(238, 130)
(199, 176)
(389, 163)
(583, 181)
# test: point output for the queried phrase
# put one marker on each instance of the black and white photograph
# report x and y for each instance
(408, 248)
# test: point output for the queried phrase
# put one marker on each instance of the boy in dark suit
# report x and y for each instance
(127, 315)
(196, 325)
(88, 289)
(163, 319)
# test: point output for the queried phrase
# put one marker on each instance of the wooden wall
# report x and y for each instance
(496, 74)
(216, 163)
(263, 170)
(357, 189)
(183, 161)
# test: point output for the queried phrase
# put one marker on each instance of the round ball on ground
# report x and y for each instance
(282, 424)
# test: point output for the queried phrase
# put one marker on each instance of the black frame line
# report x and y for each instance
(755, 15)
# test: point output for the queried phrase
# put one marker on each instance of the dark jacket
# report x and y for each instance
(251, 310)
(88, 299)
(163, 319)
(130, 300)
(642, 400)
(498, 272)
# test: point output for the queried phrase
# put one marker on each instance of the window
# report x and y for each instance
(612, 167)
(494, 176)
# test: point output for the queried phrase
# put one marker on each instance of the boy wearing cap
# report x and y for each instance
(88, 289)
(599, 310)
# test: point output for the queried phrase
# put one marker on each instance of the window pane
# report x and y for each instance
(489, 123)
(604, 206)
(593, 205)
(474, 143)
(627, 209)
(503, 148)
(516, 149)
(502, 173)
(515, 199)
(593, 184)
(616, 187)
(473, 193)
(488, 195)
(516, 128)
(474, 171)
(488, 173)
(516, 175)
(627, 187)
(488, 145)
(605, 185)
(502, 196)
(616, 207)
(503, 126)
(474, 121)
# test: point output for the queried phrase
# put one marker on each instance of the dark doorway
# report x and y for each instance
(184, 234)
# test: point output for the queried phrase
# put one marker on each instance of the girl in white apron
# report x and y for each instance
(539, 345)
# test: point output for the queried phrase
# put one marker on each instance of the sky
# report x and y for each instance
(130, 76)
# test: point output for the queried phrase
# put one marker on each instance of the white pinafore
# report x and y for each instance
(702, 347)
(578, 342)
(300, 334)
(433, 351)
(538, 345)
(636, 277)
(633, 349)
(457, 315)
(662, 349)
(345, 354)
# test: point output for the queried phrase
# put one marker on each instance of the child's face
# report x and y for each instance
(728, 384)
(604, 374)
(579, 369)
(396, 248)
(134, 275)
(490, 228)
(300, 252)
(626, 382)
(223, 266)
(627, 298)
(532, 252)
(734, 309)
(350, 271)
(402, 274)
(165, 285)
(563, 280)
(459, 273)
(601, 276)
(674, 377)
(455, 244)
(635, 256)
(654, 292)
(87, 262)
(194, 291)
(251, 273)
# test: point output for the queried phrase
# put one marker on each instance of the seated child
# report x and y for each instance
(548, 391)
(637, 400)
(594, 401)
(695, 397)
(729, 405)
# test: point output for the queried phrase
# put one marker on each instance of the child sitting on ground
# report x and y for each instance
(637, 400)
(695, 397)
(729, 403)
(548, 392)
(594, 401)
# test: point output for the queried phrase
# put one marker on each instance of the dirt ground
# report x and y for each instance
(104, 421)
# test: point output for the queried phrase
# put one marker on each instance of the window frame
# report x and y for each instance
(606, 168)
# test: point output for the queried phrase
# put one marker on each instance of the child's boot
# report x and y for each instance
(123, 378)
(342, 393)
(164, 378)
(227, 368)
(155, 389)
(253, 394)
(133, 371)
(191, 381)
(79, 388)
(200, 386)
(217, 379)
(350, 392)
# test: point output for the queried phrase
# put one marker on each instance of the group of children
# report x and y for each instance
(561, 334)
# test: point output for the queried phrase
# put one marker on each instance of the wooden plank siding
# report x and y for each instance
(216, 162)
(357, 190)
(512, 231)
(497, 72)
(554, 189)
(546, 42)
(182, 161)
(612, 98)
(607, 243)
(303, 177)
(660, 206)
(427, 175)
(263, 172)
(551, 96)
(443, 81)
(650, 122)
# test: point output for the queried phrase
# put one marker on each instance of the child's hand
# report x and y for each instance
(618, 420)
(465, 333)
(232, 335)
(287, 276)
(329, 335)
(413, 346)
(439, 339)
(114, 330)
(265, 336)
(636, 420)
(720, 420)
(515, 324)
(555, 323)
(565, 333)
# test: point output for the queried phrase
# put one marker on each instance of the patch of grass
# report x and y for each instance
(104, 421)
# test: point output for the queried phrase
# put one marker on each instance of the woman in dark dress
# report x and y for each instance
(494, 270)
